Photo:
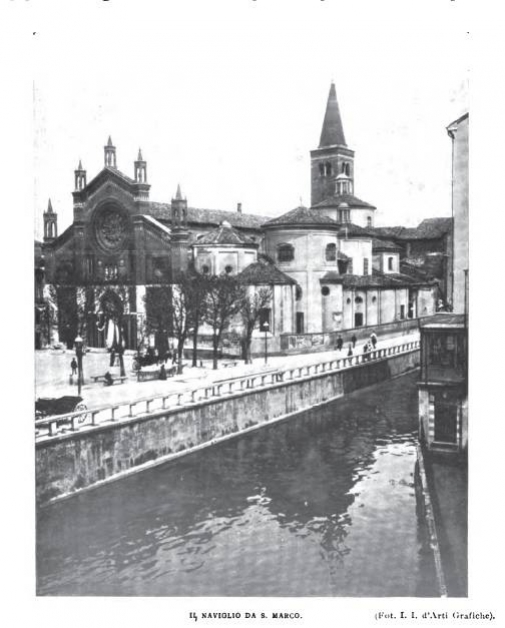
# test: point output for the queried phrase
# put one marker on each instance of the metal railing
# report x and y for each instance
(85, 420)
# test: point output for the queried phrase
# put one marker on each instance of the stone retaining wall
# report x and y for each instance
(73, 462)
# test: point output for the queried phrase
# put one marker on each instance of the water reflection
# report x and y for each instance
(320, 505)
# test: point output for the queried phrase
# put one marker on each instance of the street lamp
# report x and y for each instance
(78, 352)
(265, 329)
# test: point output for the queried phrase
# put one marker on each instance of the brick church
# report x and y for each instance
(329, 268)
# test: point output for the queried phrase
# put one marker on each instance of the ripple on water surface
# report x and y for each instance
(321, 505)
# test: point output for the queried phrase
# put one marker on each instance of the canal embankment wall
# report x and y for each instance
(89, 456)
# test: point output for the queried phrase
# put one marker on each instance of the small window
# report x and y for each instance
(350, 267)
(374, 299)
(285, 253)
(325, 291)
(369, 221)
(331, 252)
(298, 293)
(228, 269)
(390, 263)
(348, 301)
(347, 169)
(321, 170)
(365, 266)
(358, 300)
(328, 169)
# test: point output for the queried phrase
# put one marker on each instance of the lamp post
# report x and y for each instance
(78, 353)
(265, 329)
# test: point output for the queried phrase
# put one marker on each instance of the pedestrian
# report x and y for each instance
(349, 352)
(373, 338)
(108, 381)
(163, 372)
(73, 366)
(340, 343)
(353, 340)
(365, 351)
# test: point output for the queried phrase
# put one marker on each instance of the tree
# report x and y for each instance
(225, 300)
(252, 306)
(158, 302)
(198, 290)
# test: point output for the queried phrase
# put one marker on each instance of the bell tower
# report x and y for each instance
(332, 158)
(50, 224)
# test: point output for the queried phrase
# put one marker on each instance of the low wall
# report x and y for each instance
(71, 462)
(308, 343)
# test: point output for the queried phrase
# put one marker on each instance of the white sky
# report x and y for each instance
(230, 107)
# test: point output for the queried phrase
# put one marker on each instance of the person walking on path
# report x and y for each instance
(373, 338)
(365, 351)
(349, 352)
(340, 343)
(353, 340)
(73, 366)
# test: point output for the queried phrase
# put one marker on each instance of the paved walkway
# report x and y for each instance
(52, 370)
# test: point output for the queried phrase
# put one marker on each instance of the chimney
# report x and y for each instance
(239, 208)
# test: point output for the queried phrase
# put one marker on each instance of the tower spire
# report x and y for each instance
(332, 133)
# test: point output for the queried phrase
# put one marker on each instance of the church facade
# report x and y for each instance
(326, 269)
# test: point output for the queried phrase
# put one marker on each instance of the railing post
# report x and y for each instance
(179, 397)
(52, 428)
(148, 405)
(93, 417)
(132, 405)
(193, 394)
(72, 423)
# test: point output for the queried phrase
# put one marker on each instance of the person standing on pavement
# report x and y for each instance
(340, 343)
(73, 366)
(349, 352)
(353, 340)
(373, 338)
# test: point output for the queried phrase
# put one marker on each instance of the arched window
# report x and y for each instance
(347, 169)
(331, 252)
(343, 168)
(390, 263)
(298, 293)
(285, 253)
(358, 300)
(328, 169)
(321, 170)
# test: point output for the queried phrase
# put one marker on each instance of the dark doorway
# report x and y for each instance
(299, 323)
(358, 319)
(446, 418)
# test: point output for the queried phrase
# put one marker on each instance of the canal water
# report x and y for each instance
(323, 504)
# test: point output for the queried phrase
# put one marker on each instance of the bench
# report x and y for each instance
(229, 364)
(115, 380)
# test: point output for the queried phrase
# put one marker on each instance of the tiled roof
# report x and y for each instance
(209, 217)
(428, 229)
(349, 230)
(384, 245)
(376, 280)
(302, 216)
(388, 232)
(225, 234)
(264, 273)
(337, 199)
